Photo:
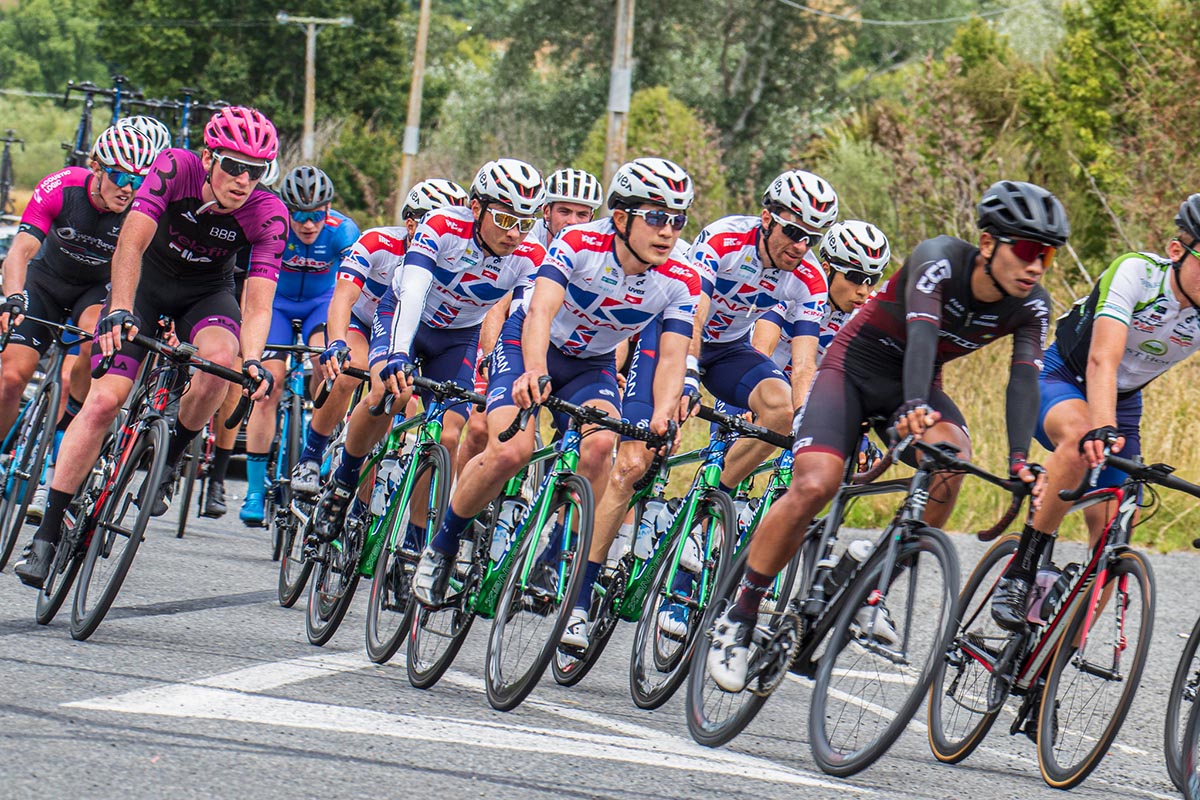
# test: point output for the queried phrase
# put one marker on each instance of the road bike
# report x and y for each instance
(7, 207)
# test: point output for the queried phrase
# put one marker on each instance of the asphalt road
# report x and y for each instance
(199, 685)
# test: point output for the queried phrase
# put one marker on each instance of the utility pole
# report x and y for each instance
(312, 25)
(619, 89)
(412, 126)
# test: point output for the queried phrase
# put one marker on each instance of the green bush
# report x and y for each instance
(44, 125)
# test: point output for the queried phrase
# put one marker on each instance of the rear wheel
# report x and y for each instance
(187, 481)
(1184, 689)
(334, 582)
(294, 569)
(25, 461)
(1089, 688)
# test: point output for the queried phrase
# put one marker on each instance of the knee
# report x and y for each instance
(507, 459)
(595, 456)
(633, 460)
(101, 406)
(811, 489)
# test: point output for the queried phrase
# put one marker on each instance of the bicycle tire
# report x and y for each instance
(187, 481)
(1126, 568)
(33, 442)
(150, 449)
(843, 753)
(381, 642)
(967, 699)
(1189, 762)
(507, 688)
(656, 652)
(294, 569)
(333, 585)
(1184, 687)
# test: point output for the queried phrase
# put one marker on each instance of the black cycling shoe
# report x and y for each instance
(432, 577)
(1008, 603)
(214, 501)
(331, 510)
(162, 498)
(34, 566)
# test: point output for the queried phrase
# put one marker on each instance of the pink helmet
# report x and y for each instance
(242, 130)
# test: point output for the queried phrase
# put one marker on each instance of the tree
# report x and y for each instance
(45, 43)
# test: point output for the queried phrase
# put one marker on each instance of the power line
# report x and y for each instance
(901, 23)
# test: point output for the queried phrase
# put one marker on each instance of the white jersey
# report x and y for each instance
(603, 306)
(540, 233)
(725, 255)
(371, 263)
(831, 322)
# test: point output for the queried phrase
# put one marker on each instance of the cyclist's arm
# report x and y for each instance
(923, 304)
(136, 234)
(804, 367)
(703, 303)
(704, 263)
(411, 283)
(256, 316)
(1104, 357)
(766, 334)
(668, 378)
(1023, 396)
(548, 296)
(345, 293)
(493, 321)
(24, 247)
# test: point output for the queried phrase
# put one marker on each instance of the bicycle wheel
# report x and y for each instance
(335, 580)
(1088, 691)
(1189, 762)
(25, 467)
(187, 482)
(120, 525)
(961, 707)
(714, 715)
(867, 688)
(389, 608)
(527, 627)
(659, 662)
(294, 569)
(1184, 689)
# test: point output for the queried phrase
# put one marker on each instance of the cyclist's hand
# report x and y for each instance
(1028, 473)
(169, 335)
(13, 311)
(254, 369)
(914, 417)
(868, 454)
(395, 373)
(1093, 442)
(112, 325)
(332, 359)
(531, 387)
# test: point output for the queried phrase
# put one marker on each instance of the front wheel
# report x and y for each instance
(294, 568)
(25, 465)
(334, 582)
(1184, 690)
(891, 633)
(1092, 682)
(187, 481)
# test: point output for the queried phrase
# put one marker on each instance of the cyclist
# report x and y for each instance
(1140, 320)
(60, 261)
(602, 283)
(949, 299)
(459, 263)
(363, 278)
(572, 197)
(194, 213)
(318, 239)
(154, 130)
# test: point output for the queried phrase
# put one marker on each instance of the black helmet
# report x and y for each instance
(306, 188)
(1021, 210)
(1188, 218)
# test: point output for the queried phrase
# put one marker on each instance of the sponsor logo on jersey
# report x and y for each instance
(1153, 346)
(933, 276)
(589, 239)
(190, 217)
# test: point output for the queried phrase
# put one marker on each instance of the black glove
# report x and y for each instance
(1106, 434)
(15, 306)
(909, 405)
(117, 321)
(263, 373)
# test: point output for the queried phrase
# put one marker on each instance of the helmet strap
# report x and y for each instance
(483, 207)
(624, 237)
(1176, 266)
(208, 180)
(987, 270)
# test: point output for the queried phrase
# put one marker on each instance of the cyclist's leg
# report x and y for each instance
(448, 355)
(475, 438)
(951, 428)
(325, 418)
(85, 313)
(26, 344)
(260, 428)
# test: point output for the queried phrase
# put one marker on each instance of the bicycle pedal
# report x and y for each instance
(776, 657)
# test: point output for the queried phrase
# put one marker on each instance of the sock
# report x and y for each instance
(179, 442)
(357, 508)
(451, 530)
(56, 508)
(590, 574)
(683, 583)
(750, 594)
(553, 550)
(256, 473)
(72, 409)
(414, 536)
(314, 446)
(1029, 553)
(347, 471)
(729, 490)
(220, 465)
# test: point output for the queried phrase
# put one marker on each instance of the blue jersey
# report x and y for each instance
(309, 271)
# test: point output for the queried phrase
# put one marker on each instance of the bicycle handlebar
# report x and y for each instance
(327, 385)
(743, 428)
(59, 328)
(441, 389)
(1157, 473)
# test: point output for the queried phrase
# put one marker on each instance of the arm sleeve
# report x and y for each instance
(557, 265)
(923, 294)
(1023, 400)
(1120, 287)
(411, 283)
(161, 186)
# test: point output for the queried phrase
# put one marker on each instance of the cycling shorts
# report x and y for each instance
(312, 314)
(364, 328)
(51, 298)
(1058, 382)
(576, 380)
(637, 404)
(732, 370)
(193, 307)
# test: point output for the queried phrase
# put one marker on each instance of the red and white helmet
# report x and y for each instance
(244, 131)
(651, 180)
(574, 186)
(124, 148)
(157, 132)
(854, 245)
(430, 194)
(511, 182)
(808, 196)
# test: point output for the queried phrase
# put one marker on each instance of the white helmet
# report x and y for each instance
(651, 180)
(574, 186)
(511, 182)
(808, 196)
(430, 194)
(124, 148)
(157, 132)
(855, 245)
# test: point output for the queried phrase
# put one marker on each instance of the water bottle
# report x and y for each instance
(858, 552)
(506, 525)
(647, 532)
(1058, 592)
(620, 544)
(1047, 576)
(385, 484)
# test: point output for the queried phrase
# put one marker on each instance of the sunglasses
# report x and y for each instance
(1029, 251)
(123, 179)
(657, 219)
(796, 233)
(301, 217)
(860, 278)
(506, 222)
(233, 167)
(1190, 248)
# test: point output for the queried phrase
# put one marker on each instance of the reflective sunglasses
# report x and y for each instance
(234, 167)
(657, 219)
(506, 222)
(859, 278)
(1029, 251)
(301, 217)
(122, 179)
(796, 233)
